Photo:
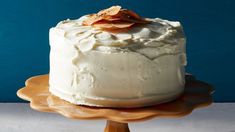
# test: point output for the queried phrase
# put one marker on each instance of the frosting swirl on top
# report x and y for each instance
(157, 33)
(118, 28)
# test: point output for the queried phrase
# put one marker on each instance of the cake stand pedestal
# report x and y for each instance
(196, 94)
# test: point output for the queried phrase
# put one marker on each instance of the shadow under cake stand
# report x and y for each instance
(196, 94)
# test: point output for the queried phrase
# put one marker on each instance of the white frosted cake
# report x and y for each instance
(117, 59)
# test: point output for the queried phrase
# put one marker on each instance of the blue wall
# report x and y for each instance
(209, 26)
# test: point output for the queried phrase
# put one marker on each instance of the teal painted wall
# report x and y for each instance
(208, 24)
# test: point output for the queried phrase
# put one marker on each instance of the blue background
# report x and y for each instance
(208, 24)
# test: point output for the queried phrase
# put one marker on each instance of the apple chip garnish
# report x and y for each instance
(92, 19)
(114, 18)
(110, 11)
(110, 25)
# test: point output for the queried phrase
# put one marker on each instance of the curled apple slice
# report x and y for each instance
(111, 18)
(139, 21)
(114, 18)
(110, 11)
(91, 19)
(131, 13)
(106, 25)
(130, 16)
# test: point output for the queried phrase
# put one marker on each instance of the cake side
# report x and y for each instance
(140, 67)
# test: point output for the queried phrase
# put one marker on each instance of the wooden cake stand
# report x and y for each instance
(197, 94)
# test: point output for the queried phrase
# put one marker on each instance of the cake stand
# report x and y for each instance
(196, 94)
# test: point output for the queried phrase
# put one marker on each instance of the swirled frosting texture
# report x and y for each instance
(155, 34)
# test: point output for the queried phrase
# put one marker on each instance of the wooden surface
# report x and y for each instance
(196, 94)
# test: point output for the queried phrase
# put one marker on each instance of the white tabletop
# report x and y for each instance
(19, 117)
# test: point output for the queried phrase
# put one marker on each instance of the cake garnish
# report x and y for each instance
(114, 18)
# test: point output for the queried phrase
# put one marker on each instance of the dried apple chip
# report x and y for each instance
(91, 19)
(114, 18)
(113, 25)
(131, 13)
(110, 11)
(139, 21)
(130, 16)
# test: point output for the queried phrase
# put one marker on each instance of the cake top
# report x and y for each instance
(119, 28)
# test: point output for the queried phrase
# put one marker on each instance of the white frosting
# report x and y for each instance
(136, 68)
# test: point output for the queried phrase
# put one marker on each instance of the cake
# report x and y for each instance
(115, 58)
